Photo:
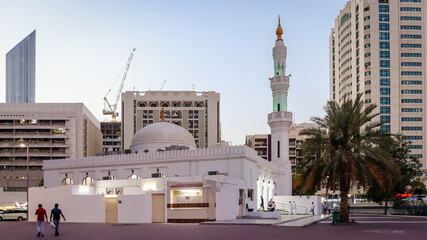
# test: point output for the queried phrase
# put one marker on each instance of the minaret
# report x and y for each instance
(280, 119)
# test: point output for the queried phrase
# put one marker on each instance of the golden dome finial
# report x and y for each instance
(279, 32)
(162, 115)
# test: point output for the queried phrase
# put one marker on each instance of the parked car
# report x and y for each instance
(417, 198)
(13, 214)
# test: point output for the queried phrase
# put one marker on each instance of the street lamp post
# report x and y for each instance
(28, 160)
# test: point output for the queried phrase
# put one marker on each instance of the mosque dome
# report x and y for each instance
(161, 135)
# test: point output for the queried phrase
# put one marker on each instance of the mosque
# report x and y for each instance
(167, 179)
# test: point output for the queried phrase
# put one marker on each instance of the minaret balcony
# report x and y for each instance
(279, 80)
(280, 119)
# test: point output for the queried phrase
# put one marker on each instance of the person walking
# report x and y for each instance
(291, 208)
(56, 213)
(312, 208)
(41, 217)
(262, 203)
(294, 208)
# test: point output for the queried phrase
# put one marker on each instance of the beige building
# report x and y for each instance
(198, 112)
(378, 48)
(51, 131)
(262, 143)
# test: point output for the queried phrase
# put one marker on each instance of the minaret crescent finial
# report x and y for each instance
(279, 31)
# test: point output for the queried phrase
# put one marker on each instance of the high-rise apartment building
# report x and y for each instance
(198, 112)
(262, 143)
(21, 71)
(111, 137)
(51, 131)
(379, 48)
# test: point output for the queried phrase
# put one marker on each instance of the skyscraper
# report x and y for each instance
(377, 47)
(21, 71)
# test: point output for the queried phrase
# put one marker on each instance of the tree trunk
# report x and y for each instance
(386, 207)
(343, 217)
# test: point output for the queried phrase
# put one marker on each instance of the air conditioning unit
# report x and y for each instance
(157, 175)
(213, 173)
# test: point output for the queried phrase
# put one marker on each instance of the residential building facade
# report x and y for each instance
(378, 48)
(51, 131)
(21, 71)
(198, 112)
(111, 137)
(262, 143)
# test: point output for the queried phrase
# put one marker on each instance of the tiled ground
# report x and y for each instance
(369, 227)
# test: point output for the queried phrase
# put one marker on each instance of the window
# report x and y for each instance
(385, 128)
(414, 146)
(278, 149)
(412, 91)
(411, 64)
(385, 63)
(385, 118)
(384, 82)
(408, 36)
(367, 73)
(408, 27)
(368, 101)
(384, 110)
(67, 180)
(367, 82)
(385, 91)
(407, 82)
(384, 27)
(412, 128)
(384, 54)
(368, 92)
(412, 119)
(384, 73)
(344, 18)
(87, 180)
(413, 137)
(367, 54)
(412, 109)
(411, 73)
(383, 8)
(366, 18)
(367, 27)
(369, 36)
(384, 45)
(411, 55)
(384, 36)
(385, 100)
(410, 9)
(384, 18)
(412, 100)
(368, 45)
(410, 0)
(410, 18)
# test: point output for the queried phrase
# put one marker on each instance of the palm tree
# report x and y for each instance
(347, 152)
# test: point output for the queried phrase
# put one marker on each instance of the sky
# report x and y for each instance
(224, 46)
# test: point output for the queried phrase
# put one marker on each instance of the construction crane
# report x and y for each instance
(110, 109)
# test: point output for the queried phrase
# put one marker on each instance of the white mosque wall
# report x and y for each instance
(303, 203)
(76, 208)
(135, 208)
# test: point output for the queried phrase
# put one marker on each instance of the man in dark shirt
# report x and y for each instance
(56, 213)
(41, 214)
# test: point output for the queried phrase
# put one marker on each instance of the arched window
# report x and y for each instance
(165, 104)
(142, 104)
(109, 177)
(153, 104)
(187, 104)
(199, 104)
(87, 180)
(67, 180)
(133, 176)
(176, 104)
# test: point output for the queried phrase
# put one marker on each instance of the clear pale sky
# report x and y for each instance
(223, 46)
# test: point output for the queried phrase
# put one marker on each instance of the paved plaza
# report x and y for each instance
(368, 227)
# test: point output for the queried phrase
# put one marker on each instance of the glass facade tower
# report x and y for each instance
(21, 71)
